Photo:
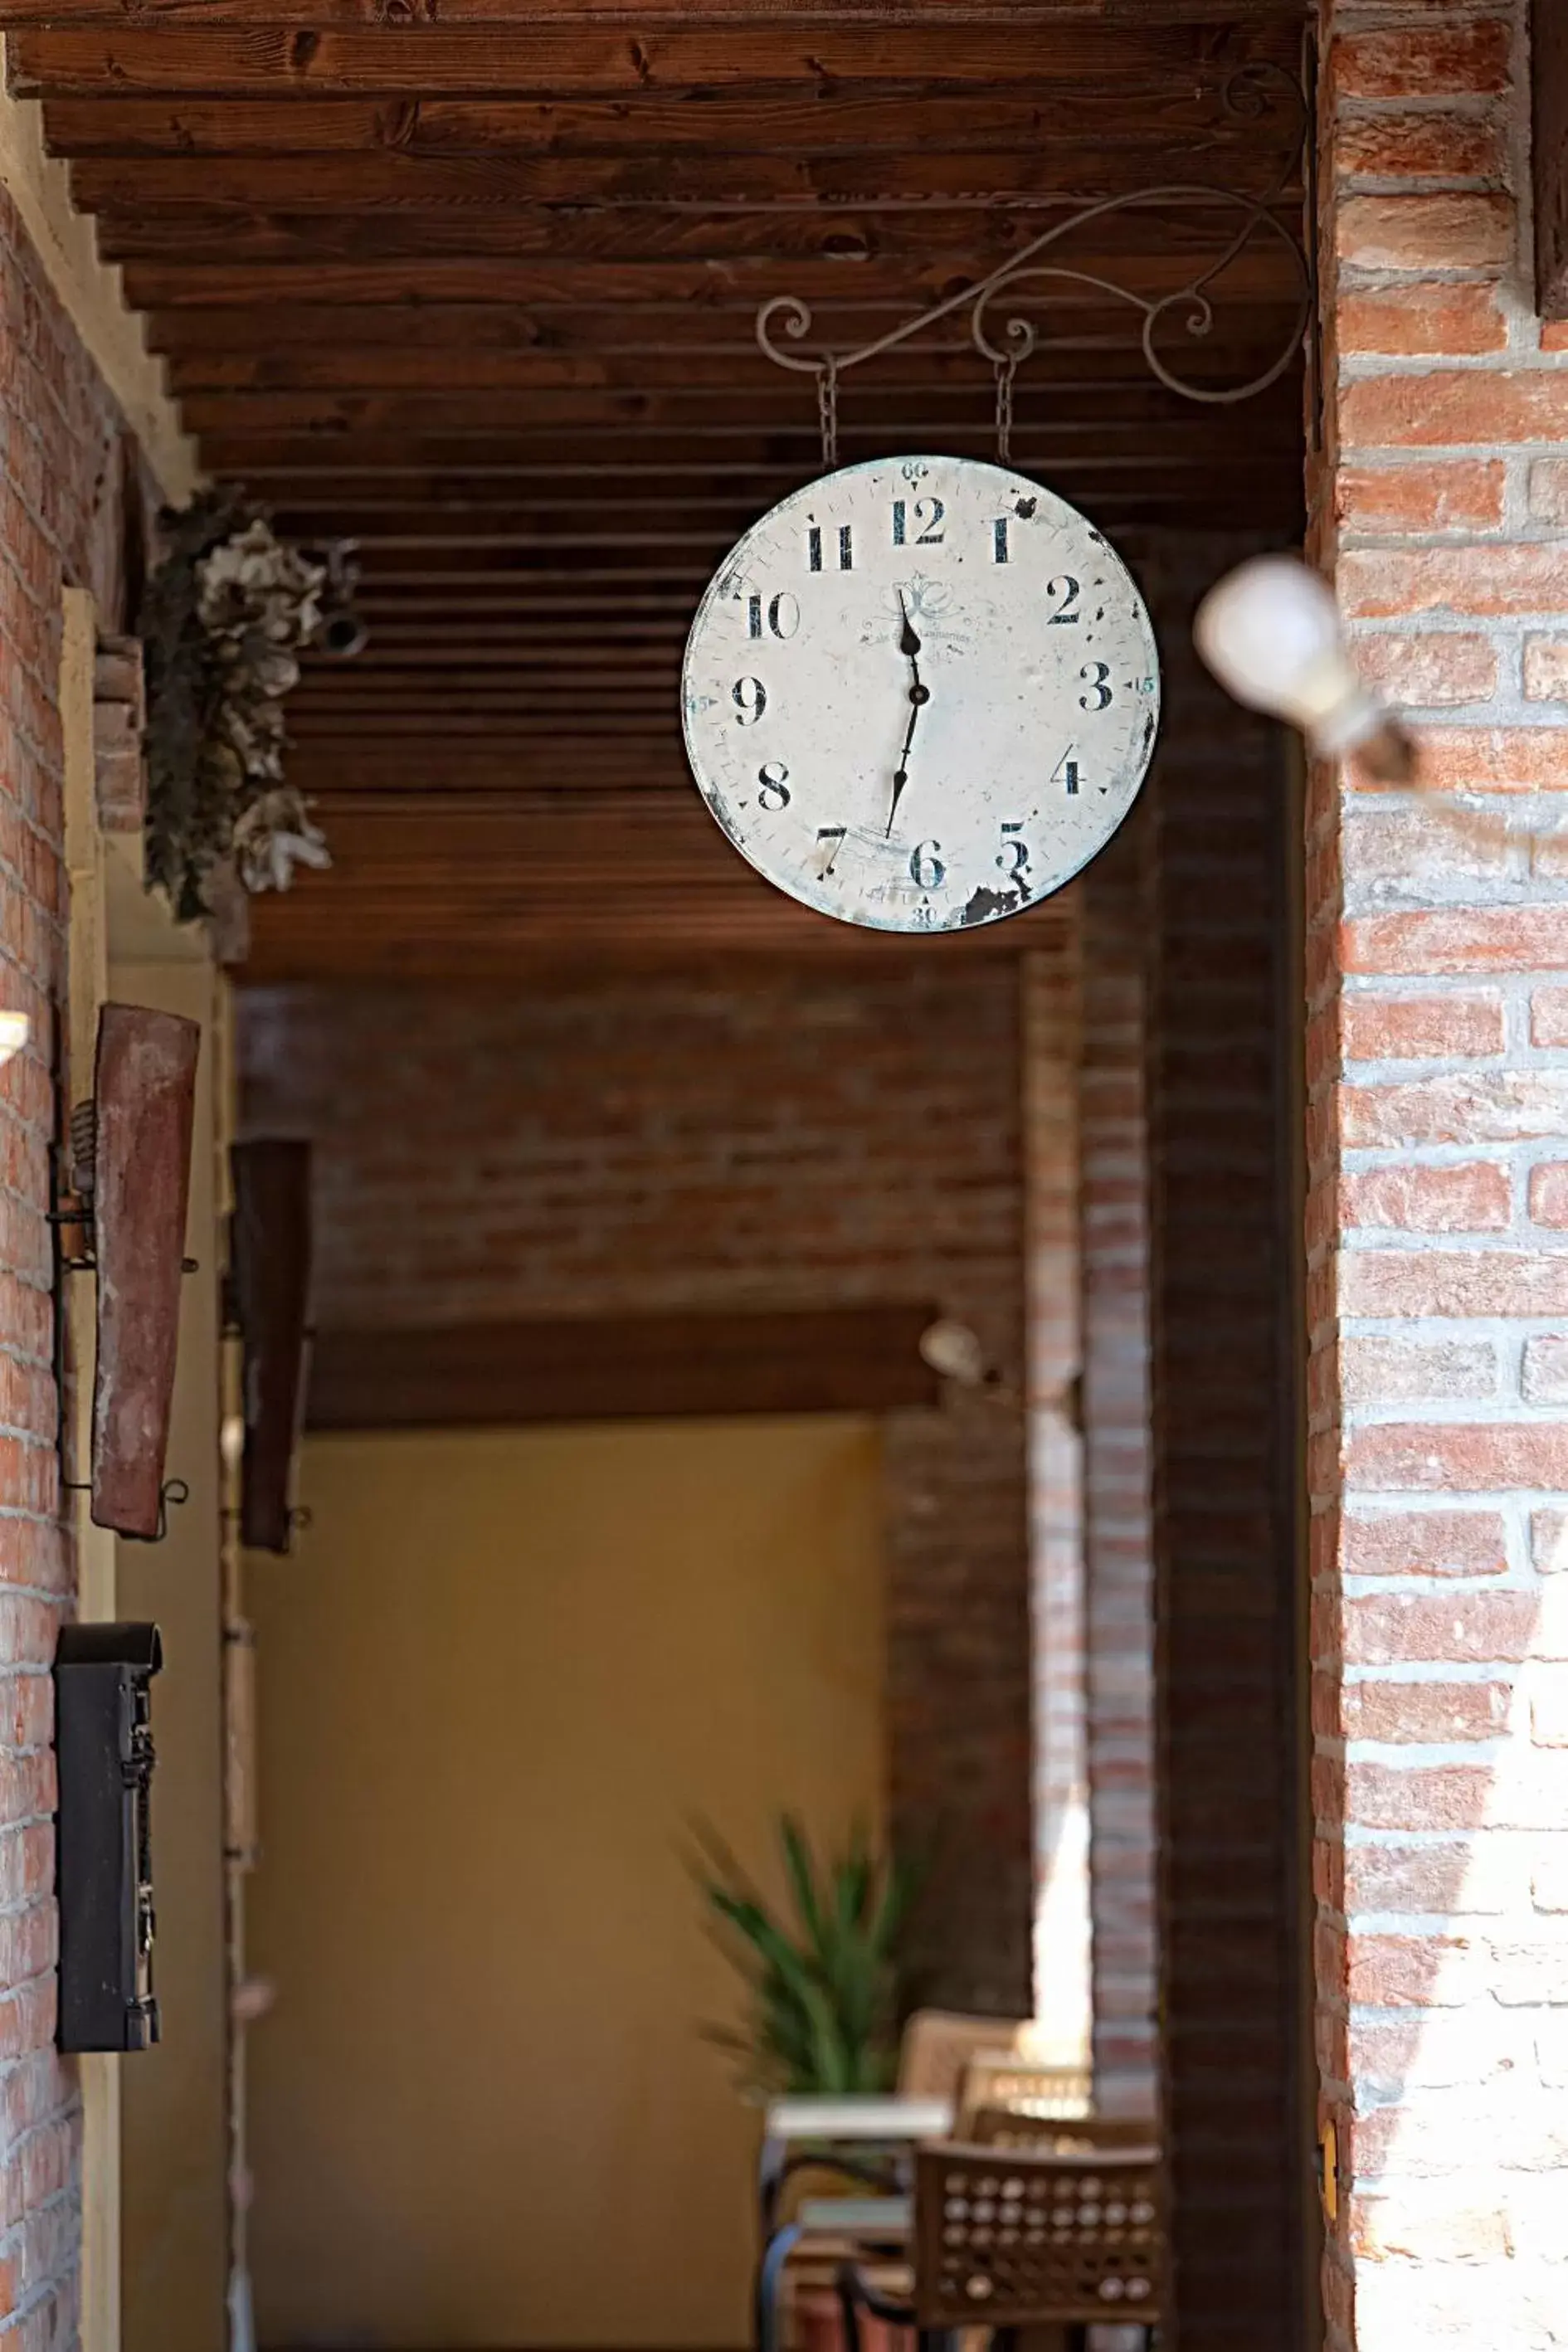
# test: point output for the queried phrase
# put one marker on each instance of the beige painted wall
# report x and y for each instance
(152, 2154)
(174, 2228)
(498, 1673)
(92, 293)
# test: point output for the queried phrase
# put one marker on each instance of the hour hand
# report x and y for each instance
(909, 644)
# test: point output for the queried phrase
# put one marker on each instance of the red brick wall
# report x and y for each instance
(1439, 1279)
(777, 1137)
(59, 479)
(1118, 1468)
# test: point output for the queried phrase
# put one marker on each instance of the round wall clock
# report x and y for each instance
(920, 694)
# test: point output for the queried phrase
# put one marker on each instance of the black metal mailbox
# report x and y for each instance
(103, 1738)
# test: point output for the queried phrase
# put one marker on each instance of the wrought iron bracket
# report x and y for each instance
(171, 1494)
(784, 323)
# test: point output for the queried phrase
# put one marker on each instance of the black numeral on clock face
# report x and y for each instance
(834, 833)
(1097, 694)
(1065, 592)
(1064, 773)
(928, 518)
(782, 615)
(751, 700)
(927, 871)
(999, 539)
(1013, 855)
(774, 778)
(845, 539)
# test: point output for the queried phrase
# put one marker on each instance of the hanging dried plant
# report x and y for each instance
(225, 618)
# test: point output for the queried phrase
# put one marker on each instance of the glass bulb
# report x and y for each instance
(953, 1351)
(1271, 634)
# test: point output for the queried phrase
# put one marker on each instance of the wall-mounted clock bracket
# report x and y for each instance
(783, 325)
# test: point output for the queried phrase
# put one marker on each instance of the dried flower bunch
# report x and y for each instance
(226, 616)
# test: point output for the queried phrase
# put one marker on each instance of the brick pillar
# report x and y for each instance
(1221, 1087)
(1049, 986)
(1118, 1469)
(1437, 944)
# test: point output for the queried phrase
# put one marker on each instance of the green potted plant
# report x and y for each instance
(822, 1975)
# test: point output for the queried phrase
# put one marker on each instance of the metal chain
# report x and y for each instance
(827, 412)
(1005, 371)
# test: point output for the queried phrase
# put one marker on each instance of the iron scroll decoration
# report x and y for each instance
(1008, 345)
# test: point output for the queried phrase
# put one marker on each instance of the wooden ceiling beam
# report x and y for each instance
(282, 293)
(634, 745)
(254, 330)
(566, 617)
(863, 1359)
(541, 654)
(916, 415)
(498, 675)
(607, 640)
(780, 237)
(1008, 15)
(196, 339)
(1183, 128)
(486, 60)
(1046, 179)
(329, 508)
(404, 530)
(400, 533)
(598, 776)
(1089, 364)
(529, 669)
(309, 494)
(443, 734)
(1207, 465)
(602, 574)
(646, 721)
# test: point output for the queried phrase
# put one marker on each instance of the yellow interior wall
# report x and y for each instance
(174, 2225)
(499, 1674)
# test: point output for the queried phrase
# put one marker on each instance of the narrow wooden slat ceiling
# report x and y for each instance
(475, 284)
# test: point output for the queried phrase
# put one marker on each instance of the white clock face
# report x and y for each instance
(920, 694)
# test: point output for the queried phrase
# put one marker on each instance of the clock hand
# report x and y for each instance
(901, 772)
(907, 643)
(920, 695)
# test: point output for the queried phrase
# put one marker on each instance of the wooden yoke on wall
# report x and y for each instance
(270, 1274)
(144, 1091)
(1549, 73)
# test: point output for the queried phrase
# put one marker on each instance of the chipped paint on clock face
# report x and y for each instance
(920, 694)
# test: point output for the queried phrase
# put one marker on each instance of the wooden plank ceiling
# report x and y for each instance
(473, 282)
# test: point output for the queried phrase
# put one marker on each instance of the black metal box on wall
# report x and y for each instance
(103, 1740)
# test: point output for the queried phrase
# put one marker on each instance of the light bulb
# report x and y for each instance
(1271, 634)
(16, 1028)
(953, 1350)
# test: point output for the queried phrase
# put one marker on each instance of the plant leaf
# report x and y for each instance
(822, 1990)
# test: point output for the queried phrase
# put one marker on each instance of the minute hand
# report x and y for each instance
(920, 695)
